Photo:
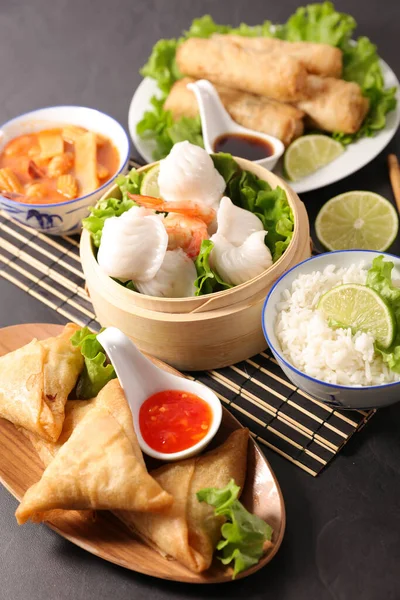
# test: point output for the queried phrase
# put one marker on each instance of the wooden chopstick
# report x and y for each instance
(394, 174)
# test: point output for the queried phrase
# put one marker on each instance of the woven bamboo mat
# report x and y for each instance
(257, 392)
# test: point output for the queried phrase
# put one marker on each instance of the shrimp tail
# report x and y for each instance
(147, 201)
(193, 249)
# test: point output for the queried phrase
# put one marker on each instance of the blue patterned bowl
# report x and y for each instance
(340, 396)
(63, 218)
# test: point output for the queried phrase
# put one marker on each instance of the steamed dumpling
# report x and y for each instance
(188, 173)
(237, 264)
(235, 224)
(174, 279)
(133, 246)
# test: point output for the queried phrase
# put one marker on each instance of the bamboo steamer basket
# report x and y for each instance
(204, 332)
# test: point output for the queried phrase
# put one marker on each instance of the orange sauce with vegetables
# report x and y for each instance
(56, 165)
(173, 420)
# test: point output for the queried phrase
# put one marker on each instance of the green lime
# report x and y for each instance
(309, 153)
(360, 308)
(149, 185)
(362, 220)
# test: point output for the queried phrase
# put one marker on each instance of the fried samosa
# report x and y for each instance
(189, 530)
(334, 104)
(75, 410)
(100, 465)
(319, 59)
(283, 121)
(35, 382)
(270, 74)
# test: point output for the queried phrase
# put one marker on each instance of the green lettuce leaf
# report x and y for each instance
(208, 280)
(155, 125)
(379, 278)
(321, 23)
(158, 125)
(226, 166)
(205, 27)
(361, 64)
(96, 372)
(113, 207)
(318, 22)
(252, 193)
(243, 534)
(162, 66)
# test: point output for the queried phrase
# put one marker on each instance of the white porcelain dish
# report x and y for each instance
(215, 122)
(141, 378)
(356, 155)
(340, 396)
(65, 217)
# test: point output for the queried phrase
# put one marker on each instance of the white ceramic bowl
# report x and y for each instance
(341, 396)
(65, 217)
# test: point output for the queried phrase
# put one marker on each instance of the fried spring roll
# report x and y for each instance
(283, 121)
(319, 59)
(269, 74)
(334, 104)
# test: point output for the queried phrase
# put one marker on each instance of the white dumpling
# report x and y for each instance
(133, 246)
(174, 279)
(237, 264)
(235, 224)
(188, 173)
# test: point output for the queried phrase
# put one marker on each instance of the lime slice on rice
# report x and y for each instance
(362, 220)
(149, 185)
(309, 153)
(360, 308)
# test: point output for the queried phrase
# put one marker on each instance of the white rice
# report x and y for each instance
(308, 343)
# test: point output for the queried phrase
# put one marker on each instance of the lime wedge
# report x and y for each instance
(309, 153)
(360, 308)
(362, 220)
(149, 185)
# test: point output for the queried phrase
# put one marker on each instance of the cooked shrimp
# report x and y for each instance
(195, 210)
(185, 232)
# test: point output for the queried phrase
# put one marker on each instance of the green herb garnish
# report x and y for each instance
(243, 535)
(379, 278)
(96, 372)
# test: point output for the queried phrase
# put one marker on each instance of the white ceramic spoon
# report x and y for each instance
(215, 121)
(140, 379)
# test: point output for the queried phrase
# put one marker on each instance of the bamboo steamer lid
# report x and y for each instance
(205, 332)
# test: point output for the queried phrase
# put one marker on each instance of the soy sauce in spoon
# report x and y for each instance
(243, 145)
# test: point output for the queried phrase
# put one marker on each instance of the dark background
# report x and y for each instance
(343, 529)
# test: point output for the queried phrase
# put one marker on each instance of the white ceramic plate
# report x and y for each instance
(355, 157)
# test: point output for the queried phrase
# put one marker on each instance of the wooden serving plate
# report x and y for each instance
(106, 536)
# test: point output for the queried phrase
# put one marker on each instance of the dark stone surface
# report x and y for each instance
(343, 528)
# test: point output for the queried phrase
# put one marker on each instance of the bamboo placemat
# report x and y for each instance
(280, 416)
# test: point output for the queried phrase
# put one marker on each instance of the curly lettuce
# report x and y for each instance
(254, 194)
(318, 22)
(379, 278)
(96, 371)
(244, 536)
(208, 280)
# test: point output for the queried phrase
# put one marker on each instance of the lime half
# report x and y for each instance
(149, 185)
(309, 153)
(362, 220)
(360, 308)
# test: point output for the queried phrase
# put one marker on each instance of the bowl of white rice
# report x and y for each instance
(336, 365)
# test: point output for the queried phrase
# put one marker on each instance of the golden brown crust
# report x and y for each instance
(282, 121)
(268, 74)
(334, 104)
(319, 59)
